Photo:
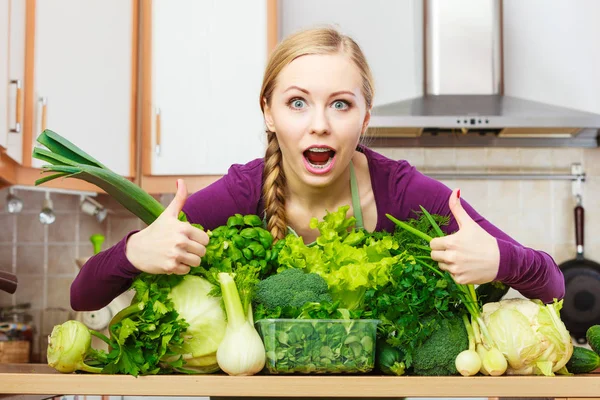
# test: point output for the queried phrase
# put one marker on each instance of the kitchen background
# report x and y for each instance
(561, 69)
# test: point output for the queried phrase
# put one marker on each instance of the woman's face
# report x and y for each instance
(318, 113)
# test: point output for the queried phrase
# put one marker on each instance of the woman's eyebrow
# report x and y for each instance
(296, 87)
(348, 92)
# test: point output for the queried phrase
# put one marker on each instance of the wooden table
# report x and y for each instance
(39, 379)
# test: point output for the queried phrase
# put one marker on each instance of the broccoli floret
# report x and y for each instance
(438, 354)
(291, 287)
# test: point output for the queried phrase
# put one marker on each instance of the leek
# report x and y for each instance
(66, 160)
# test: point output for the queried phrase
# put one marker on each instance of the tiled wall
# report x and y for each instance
(537, 213)
(43, 256)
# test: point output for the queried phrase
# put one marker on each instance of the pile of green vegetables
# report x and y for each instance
(345, 303)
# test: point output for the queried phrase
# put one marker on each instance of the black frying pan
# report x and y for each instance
(581, 305)
(8, 282)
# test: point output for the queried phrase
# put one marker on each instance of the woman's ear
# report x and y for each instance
(268, 116)
(366, 121)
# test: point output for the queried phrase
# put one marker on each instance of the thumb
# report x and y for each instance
(174, 208)
(460, 215)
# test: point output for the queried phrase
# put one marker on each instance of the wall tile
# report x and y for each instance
(6, 256)
(31, 290)
(471, 159)
(7, 227)
(29, 229)
(63, 229)
(61, 259)
(6, 299)
(440, 159)
(89, 226)
(64, 202)
(535, 159)
(536, 194)
(32, 200)
(564, 252)
(592, 161)
(121, 226)
(30, 259)
(504, 195)
(563, 158)
(3, 194)
(59, 290)
(503, 160)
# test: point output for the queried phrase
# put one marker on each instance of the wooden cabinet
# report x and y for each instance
(203, 63)
(12, 74)
(84, 77)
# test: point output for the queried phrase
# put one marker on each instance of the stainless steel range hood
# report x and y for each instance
(464, 104)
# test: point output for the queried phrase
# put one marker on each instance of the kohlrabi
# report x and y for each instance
(68, 346)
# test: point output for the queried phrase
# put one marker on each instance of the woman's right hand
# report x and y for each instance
(168, 245)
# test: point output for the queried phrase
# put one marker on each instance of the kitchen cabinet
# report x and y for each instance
(390, 33)
(12, 76)
(551, 52)
(202, 68)
(84, 80)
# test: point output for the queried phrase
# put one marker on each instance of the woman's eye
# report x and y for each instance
(297, 103)
(340, 105)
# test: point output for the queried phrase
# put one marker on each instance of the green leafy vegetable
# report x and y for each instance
(318, 346)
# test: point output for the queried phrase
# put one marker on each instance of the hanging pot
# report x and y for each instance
(581, 305)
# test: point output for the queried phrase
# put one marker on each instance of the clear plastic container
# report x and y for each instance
(322, 346)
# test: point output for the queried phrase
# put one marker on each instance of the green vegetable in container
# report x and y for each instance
(318, 346)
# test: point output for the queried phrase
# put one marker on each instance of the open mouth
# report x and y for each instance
(319, 157)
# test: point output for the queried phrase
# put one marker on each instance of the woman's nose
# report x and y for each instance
(320, 123)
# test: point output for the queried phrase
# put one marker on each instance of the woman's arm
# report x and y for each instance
(532, 272)
(110, 273)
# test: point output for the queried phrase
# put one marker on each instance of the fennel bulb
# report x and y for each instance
(241, 351)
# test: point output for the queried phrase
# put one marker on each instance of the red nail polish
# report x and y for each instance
(458, 194)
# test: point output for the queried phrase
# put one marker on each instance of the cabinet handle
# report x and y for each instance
(19, 107)
(44, 101)
(158, 132)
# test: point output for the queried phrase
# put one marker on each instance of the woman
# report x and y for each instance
(316, 99)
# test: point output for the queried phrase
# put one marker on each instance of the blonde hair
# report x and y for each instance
(310, 41)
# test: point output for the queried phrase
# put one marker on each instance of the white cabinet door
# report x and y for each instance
(4, 38)
(83, 76)
(390, 34)
(16, 80)
(208, 58)
(551, 52)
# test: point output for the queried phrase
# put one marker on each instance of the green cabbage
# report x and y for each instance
(530, 334)
(207, 323)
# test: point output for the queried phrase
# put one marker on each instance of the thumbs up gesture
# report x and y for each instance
(470, 255)
(168, 245)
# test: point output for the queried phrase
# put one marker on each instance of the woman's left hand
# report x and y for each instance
(470, 255)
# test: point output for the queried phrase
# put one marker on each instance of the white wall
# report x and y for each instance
(552, 52)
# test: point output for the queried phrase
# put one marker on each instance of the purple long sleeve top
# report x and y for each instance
(398, 188)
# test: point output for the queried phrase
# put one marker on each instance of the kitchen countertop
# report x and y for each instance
(39, 379)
